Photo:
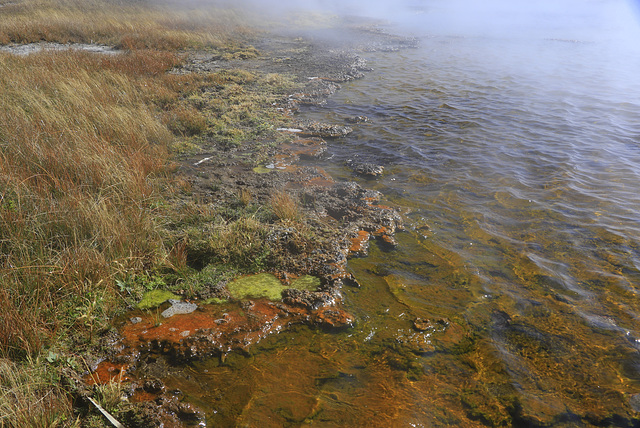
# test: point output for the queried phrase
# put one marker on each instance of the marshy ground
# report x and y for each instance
(143, 149)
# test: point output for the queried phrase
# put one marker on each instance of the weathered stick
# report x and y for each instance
(106, 414)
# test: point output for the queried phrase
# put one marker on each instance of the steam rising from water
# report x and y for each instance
(572, 20)
(602, 37)
(493, 17)
(611, 27)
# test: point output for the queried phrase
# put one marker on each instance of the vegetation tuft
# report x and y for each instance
(31, 396)
(285, 207)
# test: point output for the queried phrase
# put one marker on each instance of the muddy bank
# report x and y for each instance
(326, 223)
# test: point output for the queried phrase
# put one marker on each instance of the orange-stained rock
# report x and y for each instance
(210, 330)
(360, 244)
(140, 396)
(333, 317)
(386, 235)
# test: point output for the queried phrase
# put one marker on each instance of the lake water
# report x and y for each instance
(511, 144)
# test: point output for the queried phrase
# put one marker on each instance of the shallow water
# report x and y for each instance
(515, 159)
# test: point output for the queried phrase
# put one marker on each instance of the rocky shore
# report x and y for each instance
(331, 222)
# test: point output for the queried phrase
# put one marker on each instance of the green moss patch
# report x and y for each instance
(215, 301)
(262, 170)
(267, 286)
(256, 286)
(155, 298)
(306, 282)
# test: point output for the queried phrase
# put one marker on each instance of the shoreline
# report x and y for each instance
(330, 223)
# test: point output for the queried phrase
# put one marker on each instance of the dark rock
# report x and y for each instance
(324, 130)
(142, 415)
(365, 168)
(308, 299)
(154, 386)
(358, 119)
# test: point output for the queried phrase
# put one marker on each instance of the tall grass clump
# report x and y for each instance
(81, 153)
(18, 387)
(285, 207)
(240, 243)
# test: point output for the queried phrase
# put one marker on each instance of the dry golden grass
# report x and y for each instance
(84, 170)
(126, 24)
(79, 150)
(285, 207)
(20, 385)
(245, 197)
(186, 121)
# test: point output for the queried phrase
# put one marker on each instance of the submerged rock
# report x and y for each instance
(358, 119)
(334, 318)
(365, 168)
(421, 324)
(308, 299)
(325, 130)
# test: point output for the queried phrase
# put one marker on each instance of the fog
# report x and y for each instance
(601, 36)
(572, 19)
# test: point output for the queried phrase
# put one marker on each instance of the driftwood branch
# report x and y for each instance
(106, 414)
